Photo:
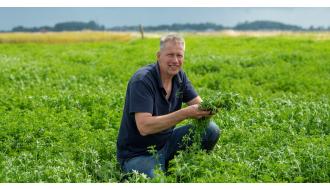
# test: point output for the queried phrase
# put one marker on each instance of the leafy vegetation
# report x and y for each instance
(61, 105)
(224, 101)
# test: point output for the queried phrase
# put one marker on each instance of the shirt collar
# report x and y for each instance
(160, 84)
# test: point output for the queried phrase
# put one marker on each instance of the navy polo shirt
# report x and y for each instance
(145, 93)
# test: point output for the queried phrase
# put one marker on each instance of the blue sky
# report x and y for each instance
(305, 17)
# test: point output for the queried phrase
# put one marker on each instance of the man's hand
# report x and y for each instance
(195, 112)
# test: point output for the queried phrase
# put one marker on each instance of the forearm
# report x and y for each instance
(156, 124)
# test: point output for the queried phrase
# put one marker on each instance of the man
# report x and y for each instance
(152, 109)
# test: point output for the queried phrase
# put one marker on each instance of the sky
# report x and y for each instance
(151, 16)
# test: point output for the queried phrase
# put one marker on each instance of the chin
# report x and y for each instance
(173, 72)
(176, 70)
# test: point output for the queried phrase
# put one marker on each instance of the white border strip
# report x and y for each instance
(165, 3)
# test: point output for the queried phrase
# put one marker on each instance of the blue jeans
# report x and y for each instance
(147, 163)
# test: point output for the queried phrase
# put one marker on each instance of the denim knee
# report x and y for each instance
(145, 163)
(211, 136)
(141, 164)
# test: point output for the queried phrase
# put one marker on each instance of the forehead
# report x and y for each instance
(173, 45)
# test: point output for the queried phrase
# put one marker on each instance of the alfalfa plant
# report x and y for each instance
(185, 166)
(219, 102)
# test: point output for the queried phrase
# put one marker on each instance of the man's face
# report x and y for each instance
(171, 58)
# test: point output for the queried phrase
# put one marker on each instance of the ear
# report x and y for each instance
(158, 55)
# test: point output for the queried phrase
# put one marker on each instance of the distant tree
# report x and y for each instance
(311, 28)
(45, 29)
(64, 26)
(76, 26)
(173, 27)
(24, 29)
(92, 25)
(266, 25)
(18, 29)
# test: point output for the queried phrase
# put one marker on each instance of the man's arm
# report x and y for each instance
(148, 124)
(196, 100)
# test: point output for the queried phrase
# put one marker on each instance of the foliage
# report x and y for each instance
(223, 101)
(61, 106)
(63, 26)
(266, 25)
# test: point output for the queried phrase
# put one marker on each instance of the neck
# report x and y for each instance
(166, 79)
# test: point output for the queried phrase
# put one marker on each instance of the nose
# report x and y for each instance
(176, 59)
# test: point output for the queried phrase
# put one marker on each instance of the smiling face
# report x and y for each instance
(171, 58)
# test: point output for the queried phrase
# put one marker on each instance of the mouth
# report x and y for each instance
(174, 66)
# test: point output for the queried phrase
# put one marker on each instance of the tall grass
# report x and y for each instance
(65, 37)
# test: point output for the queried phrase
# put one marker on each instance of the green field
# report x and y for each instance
(61, 105)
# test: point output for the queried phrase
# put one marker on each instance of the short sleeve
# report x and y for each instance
(140, 98)
(189, 92)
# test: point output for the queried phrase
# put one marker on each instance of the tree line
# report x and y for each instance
(245, 26)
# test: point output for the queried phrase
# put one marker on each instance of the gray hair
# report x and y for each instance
(172, 38)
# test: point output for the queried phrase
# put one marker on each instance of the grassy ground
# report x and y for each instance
(61, 105)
